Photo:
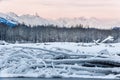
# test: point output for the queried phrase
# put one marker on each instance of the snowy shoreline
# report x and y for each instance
(60, 59)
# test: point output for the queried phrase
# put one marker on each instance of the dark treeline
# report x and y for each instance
(23, 33)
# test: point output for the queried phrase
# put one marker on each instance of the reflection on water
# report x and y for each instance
(53, 79)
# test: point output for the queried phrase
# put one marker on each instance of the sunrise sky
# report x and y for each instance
(63, 8)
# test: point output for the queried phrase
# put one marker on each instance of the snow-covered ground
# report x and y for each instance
(62, 59)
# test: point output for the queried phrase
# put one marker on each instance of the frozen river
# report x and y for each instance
(60, 60)
(54, 79)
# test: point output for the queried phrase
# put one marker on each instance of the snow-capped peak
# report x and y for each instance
(6, 19)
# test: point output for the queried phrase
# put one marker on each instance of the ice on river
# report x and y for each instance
(60, 59)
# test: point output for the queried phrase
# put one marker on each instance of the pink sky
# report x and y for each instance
(63, 8)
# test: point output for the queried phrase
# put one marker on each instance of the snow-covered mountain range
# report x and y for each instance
(34, 20)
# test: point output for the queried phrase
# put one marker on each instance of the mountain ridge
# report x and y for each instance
(35, 20)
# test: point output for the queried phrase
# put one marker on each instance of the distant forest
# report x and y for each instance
(23, 33)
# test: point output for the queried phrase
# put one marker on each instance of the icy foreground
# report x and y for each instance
(60, 60)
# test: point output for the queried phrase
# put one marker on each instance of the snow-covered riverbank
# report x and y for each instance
(60, 60)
